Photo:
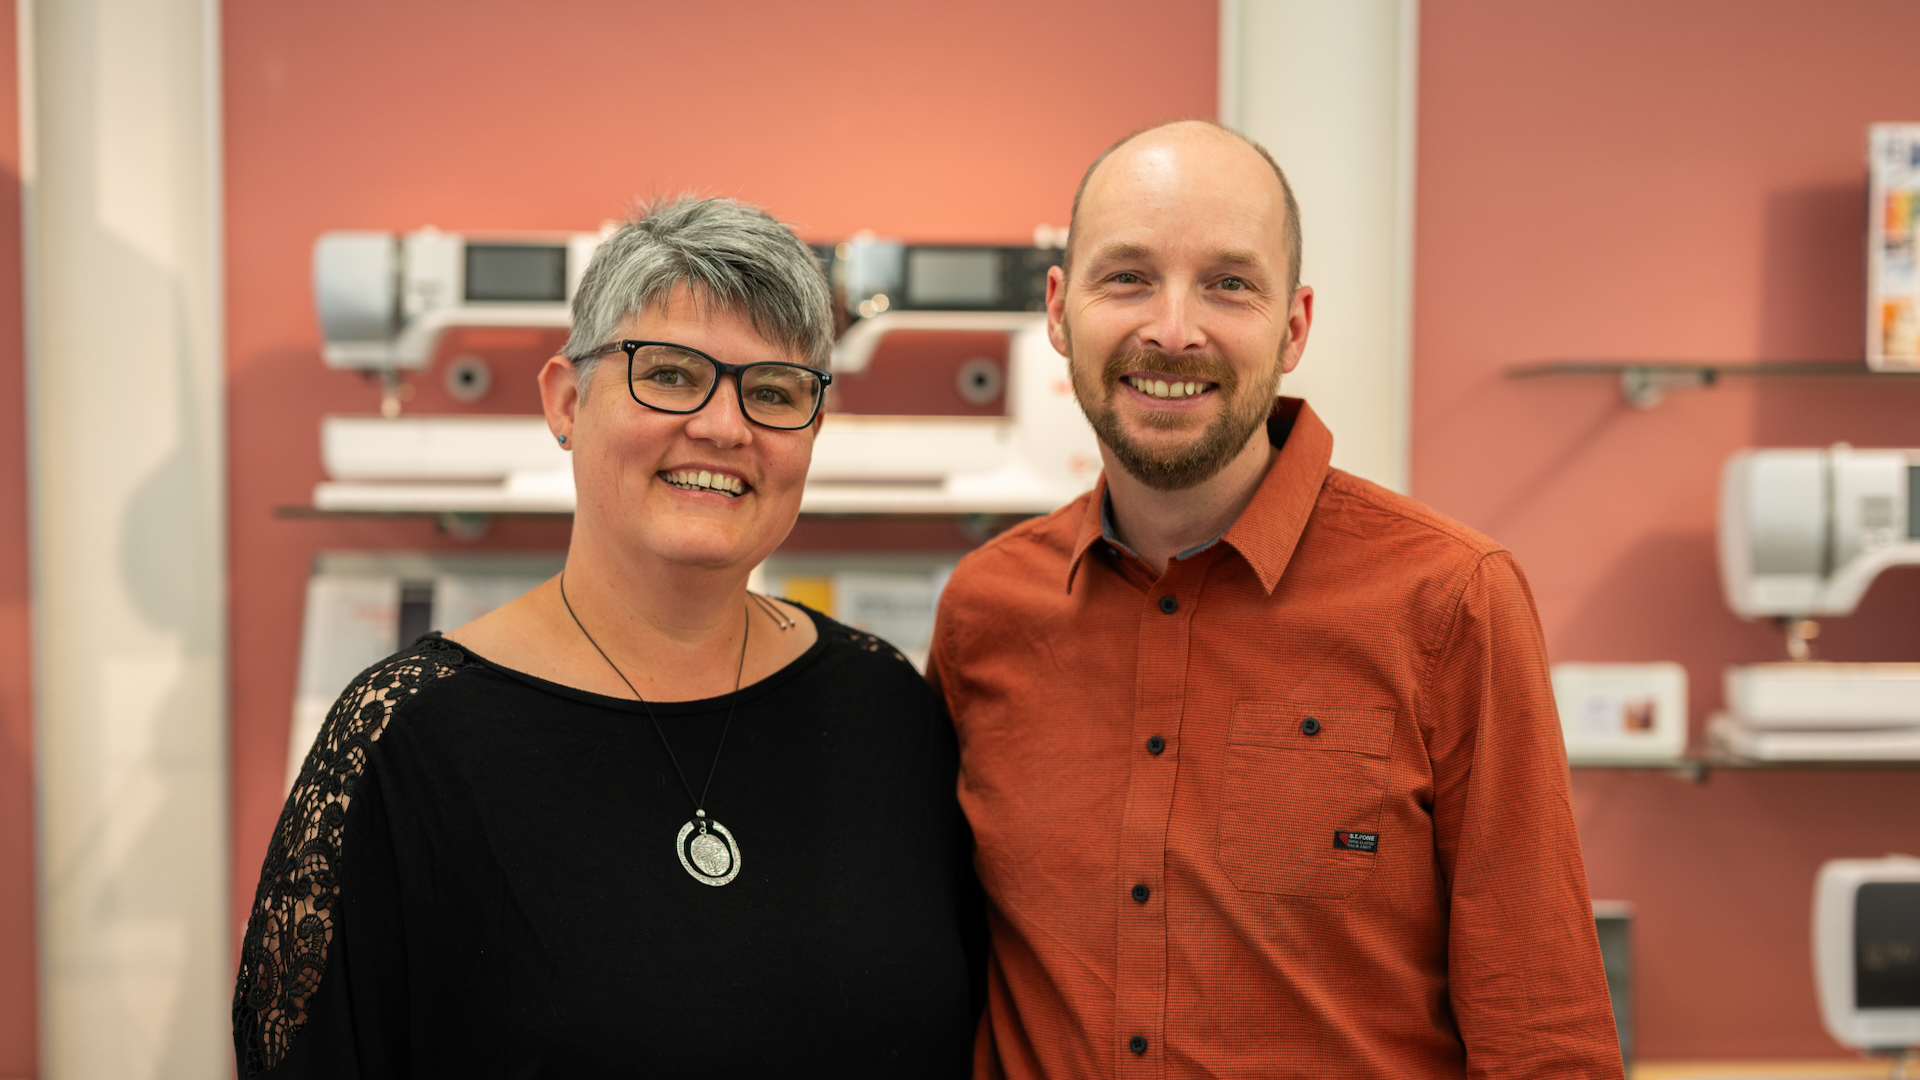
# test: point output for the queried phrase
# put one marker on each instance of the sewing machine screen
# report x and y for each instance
(1913, 502)
(952, 278)
(523, 273)
(1886, 941)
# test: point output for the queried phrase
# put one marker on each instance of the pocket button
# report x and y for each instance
(1310, 726)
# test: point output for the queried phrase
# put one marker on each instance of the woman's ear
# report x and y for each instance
(560, 397)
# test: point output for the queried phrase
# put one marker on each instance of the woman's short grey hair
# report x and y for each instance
(728, 252)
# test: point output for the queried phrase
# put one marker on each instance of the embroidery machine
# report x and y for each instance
(384, 299)
(1804, 533)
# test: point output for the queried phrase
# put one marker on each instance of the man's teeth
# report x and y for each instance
(1163, 388)
(702, 480)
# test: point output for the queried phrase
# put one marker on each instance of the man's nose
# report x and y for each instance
(721, 421)
(1173, 323)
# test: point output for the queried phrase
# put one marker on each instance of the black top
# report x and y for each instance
(475, 875)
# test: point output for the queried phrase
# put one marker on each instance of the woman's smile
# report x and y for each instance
(706, 481)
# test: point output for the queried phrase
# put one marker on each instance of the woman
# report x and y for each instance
(638, 821)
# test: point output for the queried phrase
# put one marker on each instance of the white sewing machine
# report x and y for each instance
(1803, 533)
(384, 298)
(914, 427)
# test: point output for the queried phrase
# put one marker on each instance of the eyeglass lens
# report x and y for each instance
(777, 395)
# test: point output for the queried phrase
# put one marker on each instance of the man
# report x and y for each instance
(1261, 758)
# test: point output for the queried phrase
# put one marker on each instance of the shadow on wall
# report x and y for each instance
(18, 980)
(1813, 277)
(136, 948)
(167, 514)
(1625, 617)
(1813, 292)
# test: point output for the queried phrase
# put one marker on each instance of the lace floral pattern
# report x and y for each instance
(291, 927)
(869, 643)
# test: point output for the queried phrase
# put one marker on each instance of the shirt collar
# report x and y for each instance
(1267, 531)
(1112, 536)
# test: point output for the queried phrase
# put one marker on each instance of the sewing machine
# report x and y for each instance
(384, 299)
(1804, 533)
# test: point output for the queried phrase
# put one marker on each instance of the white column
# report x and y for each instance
(1330, 87)
(121, 142)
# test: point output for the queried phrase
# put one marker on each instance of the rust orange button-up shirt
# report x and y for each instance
(1295, 807)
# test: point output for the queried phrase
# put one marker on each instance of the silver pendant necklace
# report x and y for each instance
(708, 852)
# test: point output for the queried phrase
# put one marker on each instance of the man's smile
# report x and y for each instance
(1170, 387)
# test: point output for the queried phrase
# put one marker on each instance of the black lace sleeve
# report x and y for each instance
(866, 642)
(292, 923)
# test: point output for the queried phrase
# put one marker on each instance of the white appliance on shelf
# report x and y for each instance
(1037, 456)
(384, 298)
(1621, 712)
(1804, 533)
(1866, 953)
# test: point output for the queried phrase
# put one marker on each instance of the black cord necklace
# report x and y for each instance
(710, 859)
(779, 617)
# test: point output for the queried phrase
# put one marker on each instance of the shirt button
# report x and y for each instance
(1156, 744)
(1169, 605)
(1140, 894)
(1310, 726)
(1137, 1044)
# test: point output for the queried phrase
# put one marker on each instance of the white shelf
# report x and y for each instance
(346, 497)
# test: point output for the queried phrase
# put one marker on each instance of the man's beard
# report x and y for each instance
(1198, 461)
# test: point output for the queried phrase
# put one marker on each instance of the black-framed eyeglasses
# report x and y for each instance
(674, 378)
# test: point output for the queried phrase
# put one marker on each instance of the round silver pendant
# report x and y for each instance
(711, 858)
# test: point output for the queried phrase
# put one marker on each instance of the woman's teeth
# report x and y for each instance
(702, 480)
(1164, 388)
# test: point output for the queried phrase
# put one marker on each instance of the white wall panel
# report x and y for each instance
(1330, 89)
(120, 139)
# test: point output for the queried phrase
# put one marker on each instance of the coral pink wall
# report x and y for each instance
(1632, 179)
(1647, 180)
(17, 995)
(960, 122)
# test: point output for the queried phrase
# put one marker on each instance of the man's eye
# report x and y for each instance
(1233, 284)
(1126, 277)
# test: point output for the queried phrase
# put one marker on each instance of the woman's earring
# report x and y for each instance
(563, 440)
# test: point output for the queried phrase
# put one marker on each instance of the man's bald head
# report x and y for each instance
(1219, 130)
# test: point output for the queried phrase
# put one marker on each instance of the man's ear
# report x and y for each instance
(1057, 311)
(560, 397)
(1299, 321)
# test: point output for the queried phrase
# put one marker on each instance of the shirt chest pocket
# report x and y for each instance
(1300, 798)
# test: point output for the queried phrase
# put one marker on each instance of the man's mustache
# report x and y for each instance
(1198, 366)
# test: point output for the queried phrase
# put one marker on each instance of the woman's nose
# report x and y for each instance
(722, 421)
